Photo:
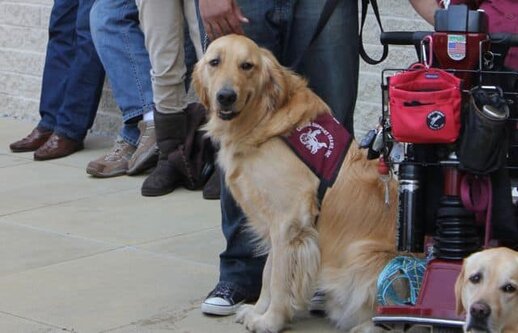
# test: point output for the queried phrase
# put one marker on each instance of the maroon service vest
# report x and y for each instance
(322, 145)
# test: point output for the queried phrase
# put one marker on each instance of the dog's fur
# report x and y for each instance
(489, 281)
(343, 250)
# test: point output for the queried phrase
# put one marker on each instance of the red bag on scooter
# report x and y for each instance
(425, 105)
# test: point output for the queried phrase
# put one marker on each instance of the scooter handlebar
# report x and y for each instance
(510, 40)
(415, 37)
(403, 37)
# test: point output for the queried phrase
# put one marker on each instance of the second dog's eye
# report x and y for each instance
(246, 66)
(509, 288)
(214, 62)
(475, 278)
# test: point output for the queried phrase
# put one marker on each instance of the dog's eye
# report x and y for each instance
(475, 278)
(214, 62)
(508, 288)
(246, 66)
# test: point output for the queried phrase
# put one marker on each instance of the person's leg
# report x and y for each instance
(331, 64)
(240, 268)
(120, 44)
(239, 261)
(85, 82)
(163, 22)
(190, 62)
(240, 274)
(191, 17)
(193, 45)
(81, 96)
(58, 61)
(59, 58)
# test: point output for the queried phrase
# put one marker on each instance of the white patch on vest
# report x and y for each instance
(310, 141)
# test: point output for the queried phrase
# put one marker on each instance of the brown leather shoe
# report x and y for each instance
(56, 147)
(31, 142)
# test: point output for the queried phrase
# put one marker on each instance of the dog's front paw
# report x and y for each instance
(245, 311)
(257, 323)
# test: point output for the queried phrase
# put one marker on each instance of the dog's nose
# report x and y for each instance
(226, 97)
(480, 310)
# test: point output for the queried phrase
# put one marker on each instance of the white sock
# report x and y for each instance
(148, 116)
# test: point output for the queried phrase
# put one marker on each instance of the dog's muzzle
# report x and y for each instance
(226, 98)
(479, 317)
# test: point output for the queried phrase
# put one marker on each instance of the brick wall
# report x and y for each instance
(23, 35)
(23, 38)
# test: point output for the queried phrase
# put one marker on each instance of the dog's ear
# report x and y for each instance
(459, 307)
(274, 80)
(197, 82)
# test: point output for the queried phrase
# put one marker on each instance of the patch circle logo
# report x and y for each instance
(435, 120)
(314, 136)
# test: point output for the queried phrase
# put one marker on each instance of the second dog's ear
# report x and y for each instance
(459, 307)
(197, 82)
(273, 79)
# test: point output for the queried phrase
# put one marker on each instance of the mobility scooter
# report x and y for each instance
(448, 126)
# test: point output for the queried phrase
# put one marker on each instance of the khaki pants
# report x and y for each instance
(163, 22)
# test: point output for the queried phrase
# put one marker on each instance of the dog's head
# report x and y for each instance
(487, 290)
(236, 75)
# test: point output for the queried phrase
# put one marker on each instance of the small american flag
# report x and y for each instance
(457, 46)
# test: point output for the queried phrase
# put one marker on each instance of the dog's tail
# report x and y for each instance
(351, 289)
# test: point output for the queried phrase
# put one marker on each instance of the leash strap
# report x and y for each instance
(410, 270)
(327, 11)
(363, 53)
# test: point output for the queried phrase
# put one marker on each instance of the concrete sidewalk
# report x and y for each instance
(79, 254)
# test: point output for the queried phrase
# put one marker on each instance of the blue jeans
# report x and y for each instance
(286, 27)
(73, 76)
(120, 44)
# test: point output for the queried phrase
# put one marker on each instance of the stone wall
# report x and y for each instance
(23, 36)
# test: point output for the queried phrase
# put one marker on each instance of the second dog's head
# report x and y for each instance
(487, 290)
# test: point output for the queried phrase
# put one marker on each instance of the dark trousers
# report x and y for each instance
(73, 76)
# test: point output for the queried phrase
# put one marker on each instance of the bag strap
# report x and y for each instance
(327, 11)
(363, 53)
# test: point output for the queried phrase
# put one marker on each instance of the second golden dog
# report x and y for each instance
(487, 290)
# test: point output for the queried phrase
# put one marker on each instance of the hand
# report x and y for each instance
(221, 17)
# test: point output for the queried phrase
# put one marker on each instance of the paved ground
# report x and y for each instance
(79, 254)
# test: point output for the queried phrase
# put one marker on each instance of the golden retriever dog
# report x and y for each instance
(340, 245)
(487, 290)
